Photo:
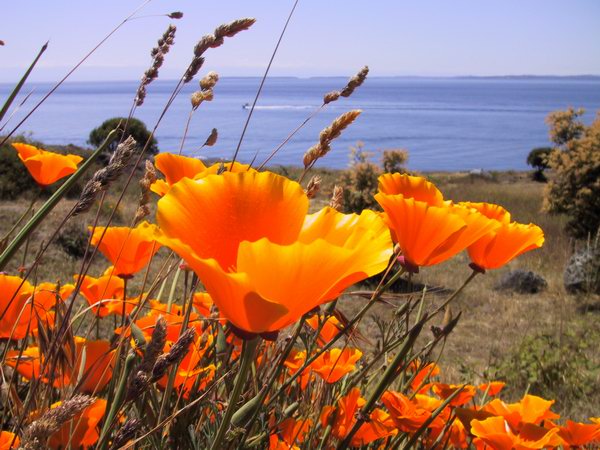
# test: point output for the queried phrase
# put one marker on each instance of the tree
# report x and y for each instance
(538, 159)
(135, 128)
(574, 189)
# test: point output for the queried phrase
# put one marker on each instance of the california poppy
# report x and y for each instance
(427, 229)
(407, 415)
(289, 432)
(46, 167)
(8, 440)
(294, 362)
(176, 167)
(530, 409)
(333, 364)
(262, 260)
(17, 312)
(342, 418)
(93, 358)
(446, 390)
(128, 249)
(575, 434)
(329, 328)
(82, 430)
(104, 294)
(497, 434)
(492, 388)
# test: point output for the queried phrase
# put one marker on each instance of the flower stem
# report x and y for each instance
(248, 350)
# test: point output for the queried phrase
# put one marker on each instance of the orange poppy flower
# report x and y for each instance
(333, 364)
(342, 418)
(294, 361)
(104, 294)
(190, 373)
(497, 434)
(531, 409)
(289, 432)
(203, 303)
(46, 167)
(509, 240)
(492, 388)
(176, 167)
(424, 372)
(446, 390)
(17, 312)
(8, 440)
(330, 328)
(576, 434)
(128, 249)
(96, 356)
(262, 260)
(173, 317)
(407, 415)
(82, 430)
(427, 229)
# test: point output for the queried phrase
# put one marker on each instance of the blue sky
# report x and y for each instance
(326, 37)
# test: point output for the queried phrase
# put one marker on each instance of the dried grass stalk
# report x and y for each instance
(212, 138)
(213, 41)
(174, 356)
(36, 434)
(337, 197)
(102, 179)
(313, 187)
(158, 57)
(353, 83)
(145, 197)
(127, 432)
(330, 133)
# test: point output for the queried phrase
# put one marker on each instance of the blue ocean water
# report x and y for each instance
(444, 123)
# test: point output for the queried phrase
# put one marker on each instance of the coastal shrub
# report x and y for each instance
(135, 128)
(538, 159)
(73, 240)
(574, 188)
(360, 180)
(552, 365)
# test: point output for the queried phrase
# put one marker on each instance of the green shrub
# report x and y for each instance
(552, 365)
(538, 159)
(574, 189)
(73, 240)
(135, 128)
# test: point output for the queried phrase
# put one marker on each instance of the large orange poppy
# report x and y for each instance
(96, 357)
(262, 260)
(128, 249)
(46, 167)
(427, 229)
(176, 167)
(509, 240)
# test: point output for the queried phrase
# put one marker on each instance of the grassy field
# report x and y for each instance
(493, 336)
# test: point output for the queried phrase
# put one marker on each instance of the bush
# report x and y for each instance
(538, 159)
(73, 240)
(360, 181)
(552, 366)
(574, 189)
(135, 128)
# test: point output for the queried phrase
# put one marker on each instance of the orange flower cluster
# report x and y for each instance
(430, 230)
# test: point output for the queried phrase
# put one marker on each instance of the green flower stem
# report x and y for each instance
(32, 224)
(117, 401)
(387, 378)
(246, 359)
